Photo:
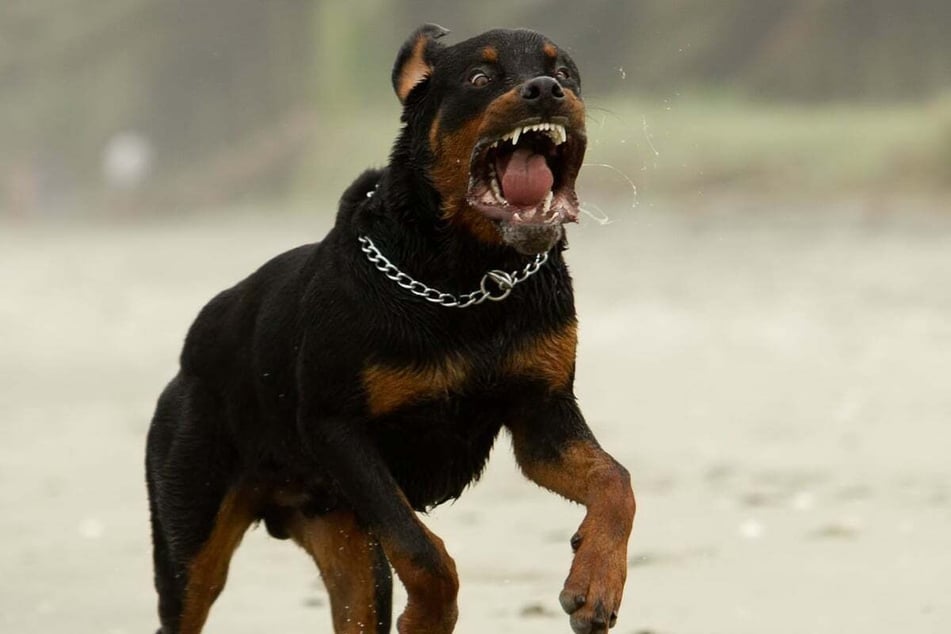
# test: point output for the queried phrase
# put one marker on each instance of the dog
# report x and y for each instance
(347, 384)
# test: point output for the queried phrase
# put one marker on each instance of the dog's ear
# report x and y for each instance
(414, 62)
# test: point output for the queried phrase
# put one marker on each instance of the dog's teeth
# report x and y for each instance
(546, 206)
(554, 131)
(496, 190)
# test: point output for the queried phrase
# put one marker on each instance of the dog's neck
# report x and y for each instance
(403, 217)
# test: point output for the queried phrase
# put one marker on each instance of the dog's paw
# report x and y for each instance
(416, 621)
(592, 592)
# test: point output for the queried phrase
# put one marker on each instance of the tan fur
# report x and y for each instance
(208, 571)
(431, 606)
(414, 70)
(550, 357)
(388, 388)
(584, 473)
(344, 553)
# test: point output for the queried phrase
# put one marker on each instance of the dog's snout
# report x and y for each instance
(542, 91)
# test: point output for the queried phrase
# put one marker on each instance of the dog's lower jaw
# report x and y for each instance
(530, 239)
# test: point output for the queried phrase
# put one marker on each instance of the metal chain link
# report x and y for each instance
(495, 285)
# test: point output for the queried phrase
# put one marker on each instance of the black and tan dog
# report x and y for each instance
(347, 384)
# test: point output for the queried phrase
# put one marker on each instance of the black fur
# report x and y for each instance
(270, 390)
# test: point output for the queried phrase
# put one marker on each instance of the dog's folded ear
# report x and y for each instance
(414, 62)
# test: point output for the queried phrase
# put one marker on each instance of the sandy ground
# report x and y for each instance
(777, 380)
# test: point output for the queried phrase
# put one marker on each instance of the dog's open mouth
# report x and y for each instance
(526, 175)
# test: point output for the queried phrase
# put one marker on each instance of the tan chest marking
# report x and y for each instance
(388, 388)
(550, 357)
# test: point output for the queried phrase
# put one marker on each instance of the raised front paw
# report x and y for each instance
(592, 592)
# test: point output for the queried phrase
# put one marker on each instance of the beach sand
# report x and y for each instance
(777, 380)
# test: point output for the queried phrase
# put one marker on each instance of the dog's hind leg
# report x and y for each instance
(207, 569)
(354, 569)
(198, 514)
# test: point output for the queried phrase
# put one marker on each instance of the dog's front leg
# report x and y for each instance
(555, 448)
(416, 554)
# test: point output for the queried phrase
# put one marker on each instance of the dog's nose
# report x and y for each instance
(542, 91)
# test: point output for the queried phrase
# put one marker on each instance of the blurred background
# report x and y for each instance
(154, 106)
(763, 277)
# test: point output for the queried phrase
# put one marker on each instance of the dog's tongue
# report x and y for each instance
(525, 178)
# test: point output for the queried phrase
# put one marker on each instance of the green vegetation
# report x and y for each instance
(246, 98)
(690, 146)
(694, 144)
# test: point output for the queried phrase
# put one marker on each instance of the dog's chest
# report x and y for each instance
(547, 357)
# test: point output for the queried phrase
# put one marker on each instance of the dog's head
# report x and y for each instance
(500, 124)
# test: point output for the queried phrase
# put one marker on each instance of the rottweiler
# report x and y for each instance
(347, 384)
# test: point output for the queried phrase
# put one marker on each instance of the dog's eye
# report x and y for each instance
(562, 74)
(479, 79)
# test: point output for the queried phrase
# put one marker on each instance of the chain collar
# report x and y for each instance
(495, 285)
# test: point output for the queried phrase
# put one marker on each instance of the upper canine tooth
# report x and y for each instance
(515, 134)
